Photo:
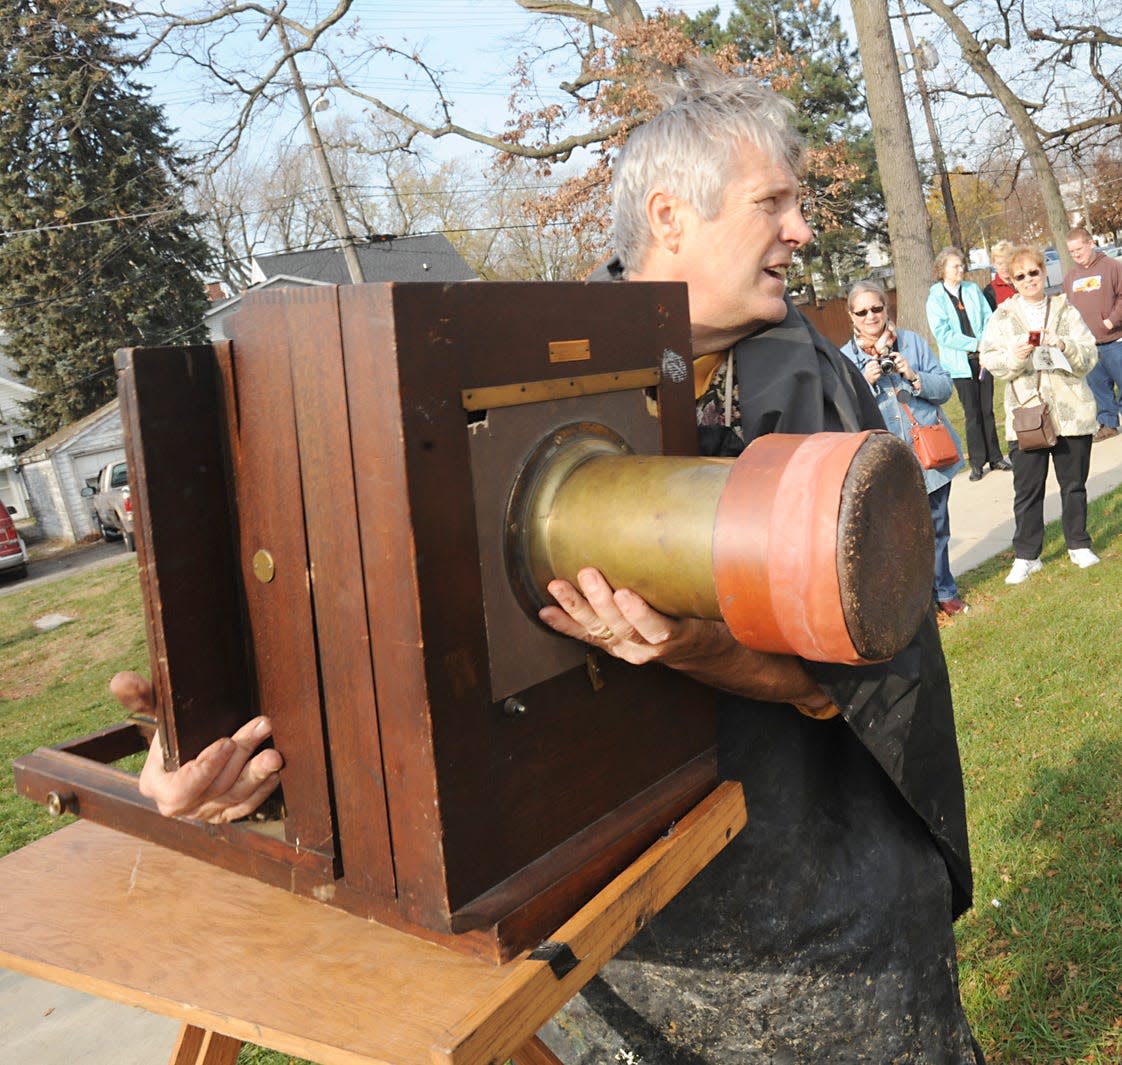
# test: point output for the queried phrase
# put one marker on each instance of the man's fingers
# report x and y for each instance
(231, 761)
(243, 807)
(179, 792)
(572, 616)
(645, 623)
(133, 692)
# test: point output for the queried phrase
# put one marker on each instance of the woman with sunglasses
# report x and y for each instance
(1042, 349)
(908, 383)
(957, 313)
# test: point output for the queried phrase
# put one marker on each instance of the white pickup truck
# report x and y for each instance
(112, 503)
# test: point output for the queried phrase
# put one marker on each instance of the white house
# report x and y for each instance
(56, 470)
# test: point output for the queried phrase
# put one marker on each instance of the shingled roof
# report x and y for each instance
(424, 258)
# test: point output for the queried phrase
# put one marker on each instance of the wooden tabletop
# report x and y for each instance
(127, 920)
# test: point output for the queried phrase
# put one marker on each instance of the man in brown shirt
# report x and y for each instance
(1094, 287)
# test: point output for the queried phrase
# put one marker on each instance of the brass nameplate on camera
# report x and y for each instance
(569, 351)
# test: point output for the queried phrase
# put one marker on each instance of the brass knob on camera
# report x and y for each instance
(59, 803)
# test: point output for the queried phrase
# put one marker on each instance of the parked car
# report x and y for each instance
(13, 551)
(1053, 268)
(109, 494)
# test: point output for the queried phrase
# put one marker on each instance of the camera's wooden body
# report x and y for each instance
(322, 505)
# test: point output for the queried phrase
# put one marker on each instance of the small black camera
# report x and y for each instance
(887, 364)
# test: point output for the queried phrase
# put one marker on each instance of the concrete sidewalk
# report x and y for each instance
(44, 1024)
(982, 511)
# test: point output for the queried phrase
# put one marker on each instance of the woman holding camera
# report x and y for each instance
(910, 384)
(1041, 348)
(957, 313)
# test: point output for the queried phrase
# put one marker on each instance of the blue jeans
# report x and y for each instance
(1104, 376)
(944, 587)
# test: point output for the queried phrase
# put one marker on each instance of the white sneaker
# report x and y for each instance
(1023, 568)
(1083, 557)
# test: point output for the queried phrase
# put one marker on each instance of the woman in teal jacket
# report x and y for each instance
(957, 313)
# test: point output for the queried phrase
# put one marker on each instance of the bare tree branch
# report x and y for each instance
(620, 12)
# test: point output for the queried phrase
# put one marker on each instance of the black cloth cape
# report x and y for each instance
(793, 380)
(821, 935)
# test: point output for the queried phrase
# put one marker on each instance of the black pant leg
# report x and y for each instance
(1072, 459)
(1030, 471)
(985, 408)
(967, 389)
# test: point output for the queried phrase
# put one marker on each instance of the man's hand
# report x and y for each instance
(625, 625)
(619, 622)
(224, 782)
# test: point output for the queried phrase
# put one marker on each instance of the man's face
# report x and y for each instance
(1082, 250)
(736, 263)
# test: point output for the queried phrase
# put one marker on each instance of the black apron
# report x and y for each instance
(822, 934)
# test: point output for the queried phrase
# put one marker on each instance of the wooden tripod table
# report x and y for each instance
(238, 960)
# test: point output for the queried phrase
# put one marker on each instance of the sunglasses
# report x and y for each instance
(868, 310)
(1027, 273)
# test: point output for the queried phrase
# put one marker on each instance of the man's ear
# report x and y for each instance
(665, 216)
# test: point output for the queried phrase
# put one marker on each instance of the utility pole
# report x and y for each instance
(919, 60)
(339, 216)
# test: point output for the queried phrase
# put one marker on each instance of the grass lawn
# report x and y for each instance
(1036, 671)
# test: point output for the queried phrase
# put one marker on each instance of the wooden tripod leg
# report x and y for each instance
(199, 1046)
(535, 1052)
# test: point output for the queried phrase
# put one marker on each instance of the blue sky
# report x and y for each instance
(473, 42)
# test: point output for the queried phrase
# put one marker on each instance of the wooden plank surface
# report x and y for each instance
(130, 921)
(270, 508)
(342, 630)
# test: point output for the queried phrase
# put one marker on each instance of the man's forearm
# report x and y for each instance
(711, 655)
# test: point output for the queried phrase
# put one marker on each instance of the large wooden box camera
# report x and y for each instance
(323, 507)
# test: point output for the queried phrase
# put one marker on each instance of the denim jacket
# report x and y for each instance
(935, 389)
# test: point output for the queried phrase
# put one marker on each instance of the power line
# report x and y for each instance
(8, 233)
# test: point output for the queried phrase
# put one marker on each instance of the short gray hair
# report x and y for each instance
(873, 287)
(942, 259)
(689, 148)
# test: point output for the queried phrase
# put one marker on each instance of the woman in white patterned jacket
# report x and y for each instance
(1041, 348)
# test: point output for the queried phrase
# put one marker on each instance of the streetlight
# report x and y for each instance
(925, 57)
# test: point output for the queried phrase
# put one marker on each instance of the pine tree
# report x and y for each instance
(96, 249)
(819, 72)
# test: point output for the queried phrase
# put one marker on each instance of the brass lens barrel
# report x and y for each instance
(820, 546)
(645, 522)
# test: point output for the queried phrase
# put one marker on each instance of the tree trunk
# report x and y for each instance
(979, 62)
(909, 228)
